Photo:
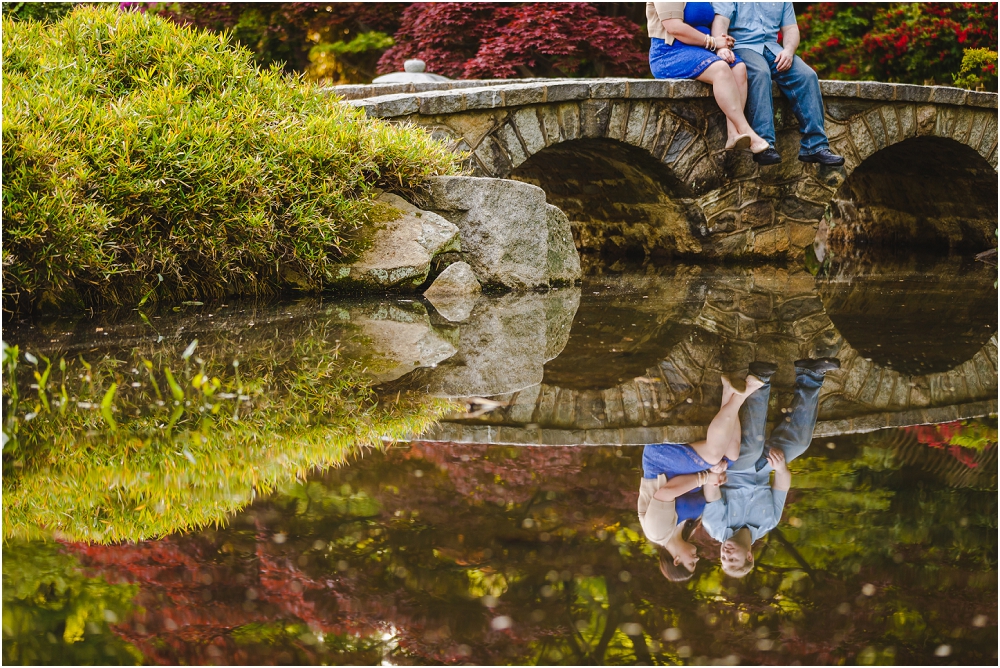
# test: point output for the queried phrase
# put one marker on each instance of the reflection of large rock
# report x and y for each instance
(504, 344)
(506, 228)
(399, 340)
(401, 250)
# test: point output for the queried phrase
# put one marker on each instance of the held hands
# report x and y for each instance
(715, 478)
(720, 467)
(783, 60)
(725, 51)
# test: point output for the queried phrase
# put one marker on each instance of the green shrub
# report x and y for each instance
(142, 156)
(979, 69)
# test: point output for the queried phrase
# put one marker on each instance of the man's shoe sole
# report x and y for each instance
(819, 365)
(812, 159)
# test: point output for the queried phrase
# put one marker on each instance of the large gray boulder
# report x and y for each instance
(504, 344)
(400, 250)
(509, 235)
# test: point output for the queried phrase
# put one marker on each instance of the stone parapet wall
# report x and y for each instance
(464, 95)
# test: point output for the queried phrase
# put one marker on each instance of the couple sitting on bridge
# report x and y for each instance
(725, 477)
(733, 45)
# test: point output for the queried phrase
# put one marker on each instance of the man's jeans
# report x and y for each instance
(800, 85)
(793, 434)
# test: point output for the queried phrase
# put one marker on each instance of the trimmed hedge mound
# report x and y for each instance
(144, 160)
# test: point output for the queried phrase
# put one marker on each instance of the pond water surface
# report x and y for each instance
(321, 481)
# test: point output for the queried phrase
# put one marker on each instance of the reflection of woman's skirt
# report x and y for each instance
(680, 61)
(673, 459)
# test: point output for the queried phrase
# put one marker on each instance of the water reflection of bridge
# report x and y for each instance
(718, 322)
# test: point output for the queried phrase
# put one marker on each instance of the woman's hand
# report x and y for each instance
(720, 467)
(727, 55)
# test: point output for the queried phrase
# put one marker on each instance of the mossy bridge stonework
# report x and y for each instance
(639, 167)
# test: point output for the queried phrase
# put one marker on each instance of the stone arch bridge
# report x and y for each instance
(638, 165)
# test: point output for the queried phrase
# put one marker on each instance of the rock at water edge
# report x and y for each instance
(563, 259)
(503, 226)
(400, 251)
(454, 292)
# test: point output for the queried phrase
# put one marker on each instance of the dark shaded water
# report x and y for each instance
(163, 505)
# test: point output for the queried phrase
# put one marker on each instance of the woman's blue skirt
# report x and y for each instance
(680, 61)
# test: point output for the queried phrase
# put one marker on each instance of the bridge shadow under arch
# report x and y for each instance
(622, 201)
(923, 192)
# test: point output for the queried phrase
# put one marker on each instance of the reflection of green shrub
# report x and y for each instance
(137, 151)
(128, 449)
(52, 614)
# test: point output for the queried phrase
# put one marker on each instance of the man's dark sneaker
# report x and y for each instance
(769, 157)
(825, 157)
(763, 370)
(818, 366)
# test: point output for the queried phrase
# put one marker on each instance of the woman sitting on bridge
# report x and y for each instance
(674, 474)
(683, 48)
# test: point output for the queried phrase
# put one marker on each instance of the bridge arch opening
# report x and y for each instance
(622, 202)
(925, 192)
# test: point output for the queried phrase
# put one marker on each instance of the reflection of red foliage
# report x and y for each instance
(940, 435)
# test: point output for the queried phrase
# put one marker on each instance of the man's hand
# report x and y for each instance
(783, 61)
(782, 476)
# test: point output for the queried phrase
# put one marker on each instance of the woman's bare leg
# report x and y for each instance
(727, 96)
(719, 437)
(733, 450)
(740, 74)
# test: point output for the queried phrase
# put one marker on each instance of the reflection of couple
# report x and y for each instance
(725, 477)
(734, 47)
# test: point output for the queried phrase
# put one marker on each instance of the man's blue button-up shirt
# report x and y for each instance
(747, 501)
(755, 25)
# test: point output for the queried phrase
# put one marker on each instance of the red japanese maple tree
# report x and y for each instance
(481, 40)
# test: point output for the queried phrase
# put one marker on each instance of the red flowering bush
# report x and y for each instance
(480, 40)
(898, 42)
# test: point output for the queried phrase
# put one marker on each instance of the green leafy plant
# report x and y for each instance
(134, 149)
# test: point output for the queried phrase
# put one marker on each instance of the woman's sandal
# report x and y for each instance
(741, 143)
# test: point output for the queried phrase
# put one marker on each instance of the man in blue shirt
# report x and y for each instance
(745, 507)
(755, 26)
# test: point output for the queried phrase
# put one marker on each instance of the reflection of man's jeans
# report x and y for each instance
(800, 85)
(793, 434)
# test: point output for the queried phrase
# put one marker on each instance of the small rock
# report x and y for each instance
(454, 292)
(456, 280)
